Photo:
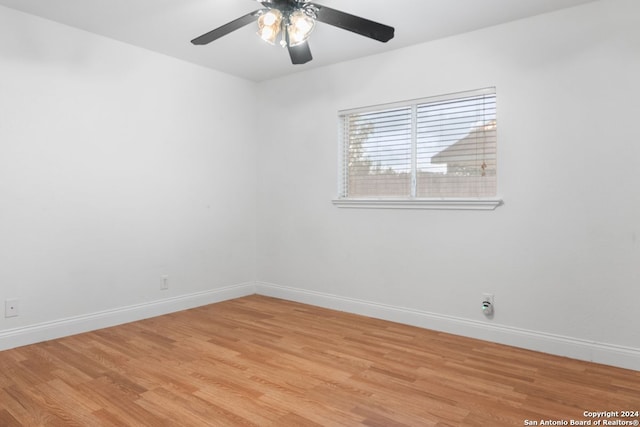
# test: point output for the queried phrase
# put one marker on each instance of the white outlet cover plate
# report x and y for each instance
(11, 308)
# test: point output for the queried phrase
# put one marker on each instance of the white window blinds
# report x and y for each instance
(440, 147)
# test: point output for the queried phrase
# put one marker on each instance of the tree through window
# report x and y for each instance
(441, 147)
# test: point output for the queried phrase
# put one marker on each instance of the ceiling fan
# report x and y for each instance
(294, 21)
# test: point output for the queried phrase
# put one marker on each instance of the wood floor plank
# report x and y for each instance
(7, 420)
(259, 361)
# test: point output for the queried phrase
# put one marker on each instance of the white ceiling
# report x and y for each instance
(167, 26)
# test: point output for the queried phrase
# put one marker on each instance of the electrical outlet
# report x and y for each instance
(488, 305)
(487, 297)
(164, 284)
(11, 308)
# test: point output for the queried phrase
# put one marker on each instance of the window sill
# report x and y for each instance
(440, 204)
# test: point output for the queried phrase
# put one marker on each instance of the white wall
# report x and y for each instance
(117, 166)
(562, 255)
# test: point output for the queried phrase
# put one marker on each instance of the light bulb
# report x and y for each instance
(269, 25)
(303, 25)
(300, 27)
(269, 18)
(267, 33)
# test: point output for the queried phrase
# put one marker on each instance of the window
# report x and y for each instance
(438, 152)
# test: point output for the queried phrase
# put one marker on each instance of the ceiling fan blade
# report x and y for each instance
(227, 28)
(300, 54)
(353, 23)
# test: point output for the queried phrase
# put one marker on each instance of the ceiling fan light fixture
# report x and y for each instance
(293, 21)
(269, 25)
(300, 27)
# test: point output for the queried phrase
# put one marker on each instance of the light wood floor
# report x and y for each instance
(262, 361)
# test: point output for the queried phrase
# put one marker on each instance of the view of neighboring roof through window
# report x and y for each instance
(441, 147)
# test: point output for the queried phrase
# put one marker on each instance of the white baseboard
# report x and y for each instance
(608, 354)
(75, 325)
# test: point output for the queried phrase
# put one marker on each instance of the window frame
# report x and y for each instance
(411, 201)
